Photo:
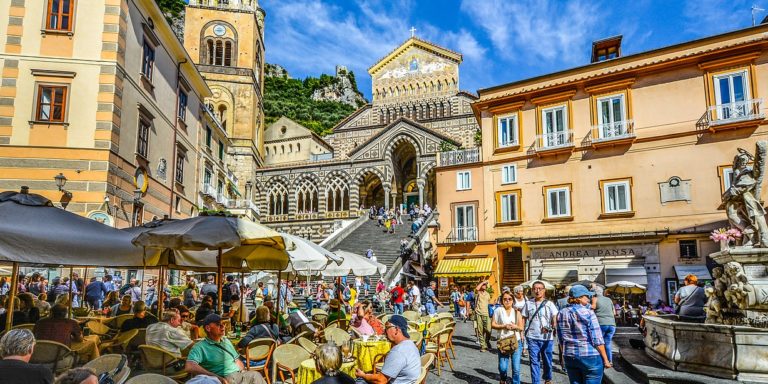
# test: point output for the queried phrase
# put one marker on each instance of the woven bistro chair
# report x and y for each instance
(339, 323)
(55, 356)
(337, 335)
(438, 345)
(108, 364)
(308, 345)
(303, 335)
(100, 329)
(258, 354)
(411, 315)
(434, 328)
(157, 360)
(119, 342)
(118, 321)
(287, 358)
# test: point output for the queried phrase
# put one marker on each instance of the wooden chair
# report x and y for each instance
(305, 327)
(99, 328)
(150, 378)
(296, 338)
(427, 360)
(288, 358)
(445, 320)
(258, 354)
(109, 363)
(119, 342)
(452, 327)
(434, 328)
(417, 338)
(357, 333)
(378, 362)
(340, 323)
(308, 345)
(318, 315)
(337, 335)
(55, 356)
(438, 345)
(158, 359)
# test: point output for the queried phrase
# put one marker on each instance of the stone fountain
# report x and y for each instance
(733, 342)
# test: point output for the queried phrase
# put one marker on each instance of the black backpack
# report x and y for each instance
(226, 292)
(124, 289)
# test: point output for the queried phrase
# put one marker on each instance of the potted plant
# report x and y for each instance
(726, 237)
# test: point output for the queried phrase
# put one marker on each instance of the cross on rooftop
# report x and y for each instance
(413, 31)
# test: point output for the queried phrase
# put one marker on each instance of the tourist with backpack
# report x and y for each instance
(229, 289)
(398, 298)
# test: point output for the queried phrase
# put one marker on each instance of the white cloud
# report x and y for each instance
(529, 31)
(709, 17)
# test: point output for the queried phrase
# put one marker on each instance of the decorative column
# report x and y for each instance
(354, 197)
(394, 199)
(421, 183)
(386, 197)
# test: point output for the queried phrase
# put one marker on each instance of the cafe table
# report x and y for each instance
(365, 351)
(308, 373)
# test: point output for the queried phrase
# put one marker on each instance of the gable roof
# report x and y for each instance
(285, 121)
(351, 116)
(396, 122)
(416, 42)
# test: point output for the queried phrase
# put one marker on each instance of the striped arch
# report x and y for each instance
(427, 167)
(278, 196)
(360, 175)
(399, 138)
(307, 175)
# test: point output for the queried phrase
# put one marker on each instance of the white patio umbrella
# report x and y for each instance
(354, 263)
(529, 284)
(624, 288)
(308, 256)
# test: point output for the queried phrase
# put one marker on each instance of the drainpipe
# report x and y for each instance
(172, 204)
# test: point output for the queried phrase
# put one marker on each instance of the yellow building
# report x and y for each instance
(100, 97)
(609, 171)
(225, 40)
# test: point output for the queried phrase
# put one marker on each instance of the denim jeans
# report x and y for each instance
(398, 308)
(540, 351)
(584, 370)
(608, 332)
(504, 366)
(430, 308)
(456, 309)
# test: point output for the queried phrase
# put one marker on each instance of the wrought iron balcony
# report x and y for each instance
(609, 134)
(553, 143)
(209, 190)
(734, 113)
(221, 199)
(462, 235)
(460, 156)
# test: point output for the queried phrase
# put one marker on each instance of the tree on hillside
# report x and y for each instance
(172, 9)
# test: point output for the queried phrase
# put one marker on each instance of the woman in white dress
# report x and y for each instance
(509, 322)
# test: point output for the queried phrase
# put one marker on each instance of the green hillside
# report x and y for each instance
(293, 98)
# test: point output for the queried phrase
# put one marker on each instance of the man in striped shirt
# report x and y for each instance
(580, 339)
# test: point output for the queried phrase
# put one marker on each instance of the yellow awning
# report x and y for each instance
(464, 267)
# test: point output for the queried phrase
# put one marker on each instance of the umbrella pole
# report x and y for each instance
(71, 294)
(14, 287)
(240, 312)
(85, 278)
(160, 287)
(220, 274)
(279, 286)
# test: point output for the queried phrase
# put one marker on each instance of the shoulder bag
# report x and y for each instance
(508, 345)
(536, 312)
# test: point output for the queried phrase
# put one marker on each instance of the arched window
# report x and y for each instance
(209, 50)
(228, 54)
(290, 148)
(306, 197)
(337, 195)
(223, 116)
(219, 51)
(282, 149)
(267, 148)
(278, 200)
(298, 147)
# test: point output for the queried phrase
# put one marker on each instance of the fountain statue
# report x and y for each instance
(733, 341)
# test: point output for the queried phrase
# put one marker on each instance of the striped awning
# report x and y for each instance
(464, 267)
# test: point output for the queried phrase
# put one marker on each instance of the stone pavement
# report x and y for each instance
(473, 366)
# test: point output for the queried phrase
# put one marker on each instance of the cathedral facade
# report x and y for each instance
(383, 154)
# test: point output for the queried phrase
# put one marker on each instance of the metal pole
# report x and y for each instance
(14, 287)
(219, 274)
(279, 286)
(71, 295)
(85, 278)
(241, 317)
(160, 292)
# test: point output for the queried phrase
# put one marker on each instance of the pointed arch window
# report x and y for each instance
(337, 195)
(219, 52)
(278, 200)
(306, 197)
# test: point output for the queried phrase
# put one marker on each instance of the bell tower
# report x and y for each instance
(225, 39)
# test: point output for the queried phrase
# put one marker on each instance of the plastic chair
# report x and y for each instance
(119, 342)
(55, 356)
(109, 363)
(308, 345)
(438, 345)
(158, 359)
(150, 378)
(288, 358)
(258, 354)
(337, 335)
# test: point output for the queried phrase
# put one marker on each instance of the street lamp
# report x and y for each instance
(137, 204)
(61, 181)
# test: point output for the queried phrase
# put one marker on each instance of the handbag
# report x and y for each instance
(462, 303)
(507, 345)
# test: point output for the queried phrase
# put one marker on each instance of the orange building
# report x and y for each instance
(609, 171)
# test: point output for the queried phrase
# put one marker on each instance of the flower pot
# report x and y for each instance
(724, 244)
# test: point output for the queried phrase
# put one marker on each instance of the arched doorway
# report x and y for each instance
(405, 169)
(371, 190)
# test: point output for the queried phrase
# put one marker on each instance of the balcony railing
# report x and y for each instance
(321, 157)
(221, 199)
(209, 190)
(735, 112)
(462, 235)
(617, 130)
(243, 204)
(226, 4)
(555, 142)
(460, 156)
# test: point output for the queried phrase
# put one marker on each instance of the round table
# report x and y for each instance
(365, 351)
(308, 373)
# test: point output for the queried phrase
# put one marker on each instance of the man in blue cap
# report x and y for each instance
(403, 363)
(580, 338)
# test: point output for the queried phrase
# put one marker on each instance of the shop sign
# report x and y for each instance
(443, 282)
(640, 250)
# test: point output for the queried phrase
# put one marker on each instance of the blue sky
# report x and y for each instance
(501, 40)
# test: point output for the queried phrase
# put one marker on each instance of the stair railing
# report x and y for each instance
(397, 267)
(334, 239)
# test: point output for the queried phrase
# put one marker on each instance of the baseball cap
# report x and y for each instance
(400, 322)
(212, 318)
(579, 291)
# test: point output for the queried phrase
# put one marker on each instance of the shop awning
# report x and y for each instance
(417, 269)
(634, 274)
(700, 271)
(559, 275)
(464, 267)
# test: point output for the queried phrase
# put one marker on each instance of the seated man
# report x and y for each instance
(403, 363)
(140, 319)
(262, 329)
(167, 334)
(217, 357)
(15, 350)
(296, 319)
(359, 321)
(334, 311)
(67, 331)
